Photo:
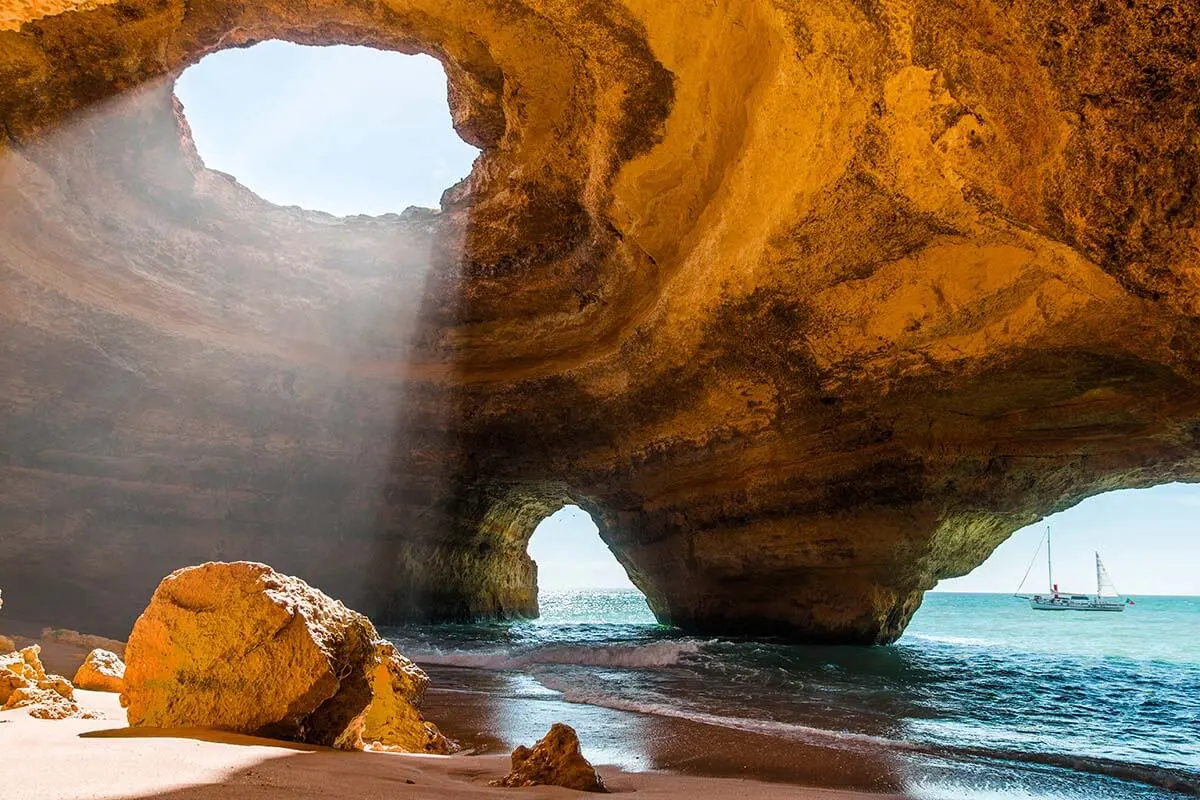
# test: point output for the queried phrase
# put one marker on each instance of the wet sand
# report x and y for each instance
(485, 722)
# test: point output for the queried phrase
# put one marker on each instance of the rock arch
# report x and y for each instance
(816, 305)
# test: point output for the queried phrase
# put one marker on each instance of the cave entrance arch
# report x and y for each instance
(1146, 538)
(570, 554)
(579, 579)
(491, 573)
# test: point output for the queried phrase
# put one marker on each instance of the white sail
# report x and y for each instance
(1104, 582)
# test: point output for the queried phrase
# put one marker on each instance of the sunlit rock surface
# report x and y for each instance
(24, 683)
(554, 760)
(809, 305)
(239, 647)
(101, 671)
(393, 722)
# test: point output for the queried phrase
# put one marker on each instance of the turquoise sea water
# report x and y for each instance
(981, 698)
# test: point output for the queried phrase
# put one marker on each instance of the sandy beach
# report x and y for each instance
(105, 760)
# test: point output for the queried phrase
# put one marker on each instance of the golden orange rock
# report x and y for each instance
(42, 703)
(101, 671)
(393, 721)
(239, 647)
(24, 683)
(555, 760)
(15, 12)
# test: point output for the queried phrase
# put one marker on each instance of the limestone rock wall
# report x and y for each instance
(808, 305)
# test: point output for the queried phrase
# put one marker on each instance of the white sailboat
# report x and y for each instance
(1106, 598)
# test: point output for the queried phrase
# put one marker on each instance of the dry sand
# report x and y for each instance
(104, 760)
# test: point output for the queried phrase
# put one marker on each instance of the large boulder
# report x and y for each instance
(102, 671)
(239, 647)
(554, 760)
(392, 721)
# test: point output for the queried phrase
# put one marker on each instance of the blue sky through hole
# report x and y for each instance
(346, 130)
(571, 555)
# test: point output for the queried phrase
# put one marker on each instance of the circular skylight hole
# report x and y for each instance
(345, 130)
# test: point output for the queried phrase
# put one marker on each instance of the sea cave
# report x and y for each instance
(808, 307)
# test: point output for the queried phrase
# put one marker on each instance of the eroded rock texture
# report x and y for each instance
(554, 760)
(24, 683)
(392, 722)
(810, 305)
(101, 671)
(239, 647)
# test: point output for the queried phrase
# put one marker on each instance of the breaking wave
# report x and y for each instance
(644, 656)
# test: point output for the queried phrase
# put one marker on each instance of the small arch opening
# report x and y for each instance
(1146, 542)
(344, 129)
(579, 579)
(1146, 538)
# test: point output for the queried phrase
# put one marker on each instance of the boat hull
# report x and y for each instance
(1067, 606)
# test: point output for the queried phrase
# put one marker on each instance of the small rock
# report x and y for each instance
(393, 723)
(9, 683)
(26, 667)
(555, 760)
(59, 685)
(25, 684)
(101, 671)
(47, 704)
(25, 662)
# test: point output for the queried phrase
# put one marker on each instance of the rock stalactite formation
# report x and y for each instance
(809, 305)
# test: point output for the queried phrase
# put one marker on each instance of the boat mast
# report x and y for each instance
(1049, 566)
(1099, 567)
